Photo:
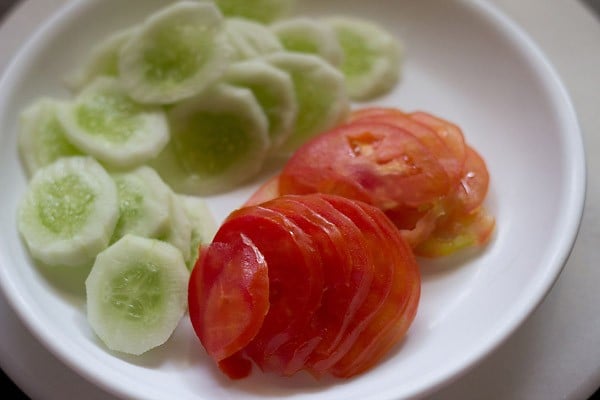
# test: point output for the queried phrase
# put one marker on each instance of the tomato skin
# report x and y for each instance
(227, 324)
(376, 163)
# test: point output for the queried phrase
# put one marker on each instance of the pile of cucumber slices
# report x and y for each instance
(189, 102)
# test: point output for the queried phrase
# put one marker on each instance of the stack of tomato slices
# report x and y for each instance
(415, 167)
(317, 282)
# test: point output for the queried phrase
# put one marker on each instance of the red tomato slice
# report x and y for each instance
(376, 163)
(227, 307)
(340, 304)
(474, 183)
(422, 132)
(381, 284)
(450, 133)
(295, 280)
(399, 310)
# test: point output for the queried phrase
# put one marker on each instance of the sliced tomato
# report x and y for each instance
(399, 310)
(450, 133)
(381, 284)
(425, 134)
(228, 295)
(295, 280)
(474, 184)
(376, 163)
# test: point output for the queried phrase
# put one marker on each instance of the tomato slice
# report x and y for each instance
(228, 295)
(422, 132)
(342, 303)
(381, 284)
(399, 310)
(376, 163)
(474, 183)
(295, 281)
(450, 133)
(416, 224)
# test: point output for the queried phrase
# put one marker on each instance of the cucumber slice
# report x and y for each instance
(306, 35)
(179, 233)
(105, 123)
(203, 224)
(320, 94)
(176, 53)
(250, 39)
(372, 57)
(69, 212)
(144, 203)
(218, 140)
(42, 137)
(274, 91)
(264, 11)
(136, 294)
(102, 60)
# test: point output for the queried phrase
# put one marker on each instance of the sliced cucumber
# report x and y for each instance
(307, 35)
(144, 203)
(69, 212)
(179, 233)
(176, 53)
(264, 11)
(372, 57)
(320, 94)
(102, 60)
(136, 294)
(203, 224)
(105, 123)
(42, 137)
(274, 91)
(250, 39)
(218, 140)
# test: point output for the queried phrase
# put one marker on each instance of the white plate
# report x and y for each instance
(465, 62)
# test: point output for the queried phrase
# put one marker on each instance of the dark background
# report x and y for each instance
(5, 8)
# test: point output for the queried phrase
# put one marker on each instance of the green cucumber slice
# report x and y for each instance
(274, 91)
(179, 233)
(311, 36)
(264, 11)
(176, 53)
(136, 294)
(69, 212)
(218, 140)
(102, 60)
(372, 57)
(144, 201)
(250, 39)
(320, 94)
(42, 137)
(203, 224)
(105, 123)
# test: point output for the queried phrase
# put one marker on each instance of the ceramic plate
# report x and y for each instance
(465, 62)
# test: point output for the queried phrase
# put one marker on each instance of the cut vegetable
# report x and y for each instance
(136, 294)
(42, 137)
(274, 91)
(175, 54)
(372, 57)
(143, 203)
(105, 123)
(250, 39)
(260, 10)
(203, 224)
(320, 93)
(179, 233)
(218, 140)
(69, 212)
(103, 60)
(308, 35)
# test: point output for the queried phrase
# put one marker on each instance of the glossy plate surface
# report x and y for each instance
(465, 62)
